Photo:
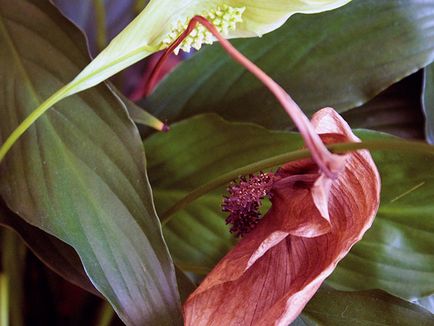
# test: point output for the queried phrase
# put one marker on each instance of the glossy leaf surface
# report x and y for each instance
(79, 172)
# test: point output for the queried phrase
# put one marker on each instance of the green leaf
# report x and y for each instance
(339, 59)
(55, 254)
(79, 172)
(198, 237)
(426, 302)
(395, 255)
(397, 110)
(185, 285)
(428, 102)
(332, 307)
(62, 258)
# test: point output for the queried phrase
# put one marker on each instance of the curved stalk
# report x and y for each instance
(21, 129)
(75, 86)
(330, 164)
(407, 146)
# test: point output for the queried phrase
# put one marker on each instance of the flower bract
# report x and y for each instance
(270, 275)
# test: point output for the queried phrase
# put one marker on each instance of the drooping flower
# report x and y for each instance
(314, 221)
(320, 208)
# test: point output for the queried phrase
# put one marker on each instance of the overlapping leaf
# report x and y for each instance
(102, 24)
(340, 59)
(114, 17)
(79, 172)
(331, 307)
(198, 236)
(395, 255)
(397, 110)
(54, 253)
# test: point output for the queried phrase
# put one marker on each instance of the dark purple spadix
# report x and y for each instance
(244, 200)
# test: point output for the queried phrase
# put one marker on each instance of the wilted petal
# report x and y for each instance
(272, 273)
(320, 195)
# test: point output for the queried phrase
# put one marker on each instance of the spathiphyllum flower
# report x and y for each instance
(275, 269)
(232, 18)
(162, 21)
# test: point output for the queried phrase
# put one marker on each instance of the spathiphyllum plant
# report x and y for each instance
(249, 209)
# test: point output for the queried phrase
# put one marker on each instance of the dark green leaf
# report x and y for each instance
(395, 255)
(397, 110)
(139, 115)
(62, 258)
(79, 172)
(56, 254)
(332, 307)
(185, 285)
(340, 59)
(198, 237)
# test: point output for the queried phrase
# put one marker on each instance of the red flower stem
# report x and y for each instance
(328, 162)
(150, 85)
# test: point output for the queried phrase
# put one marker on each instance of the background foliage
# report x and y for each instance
(76, 187)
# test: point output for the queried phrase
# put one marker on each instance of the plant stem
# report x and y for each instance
(100, 20)
(4, 300)
(106, 315)
(143, 117)
(16, 134)
(409, 146)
